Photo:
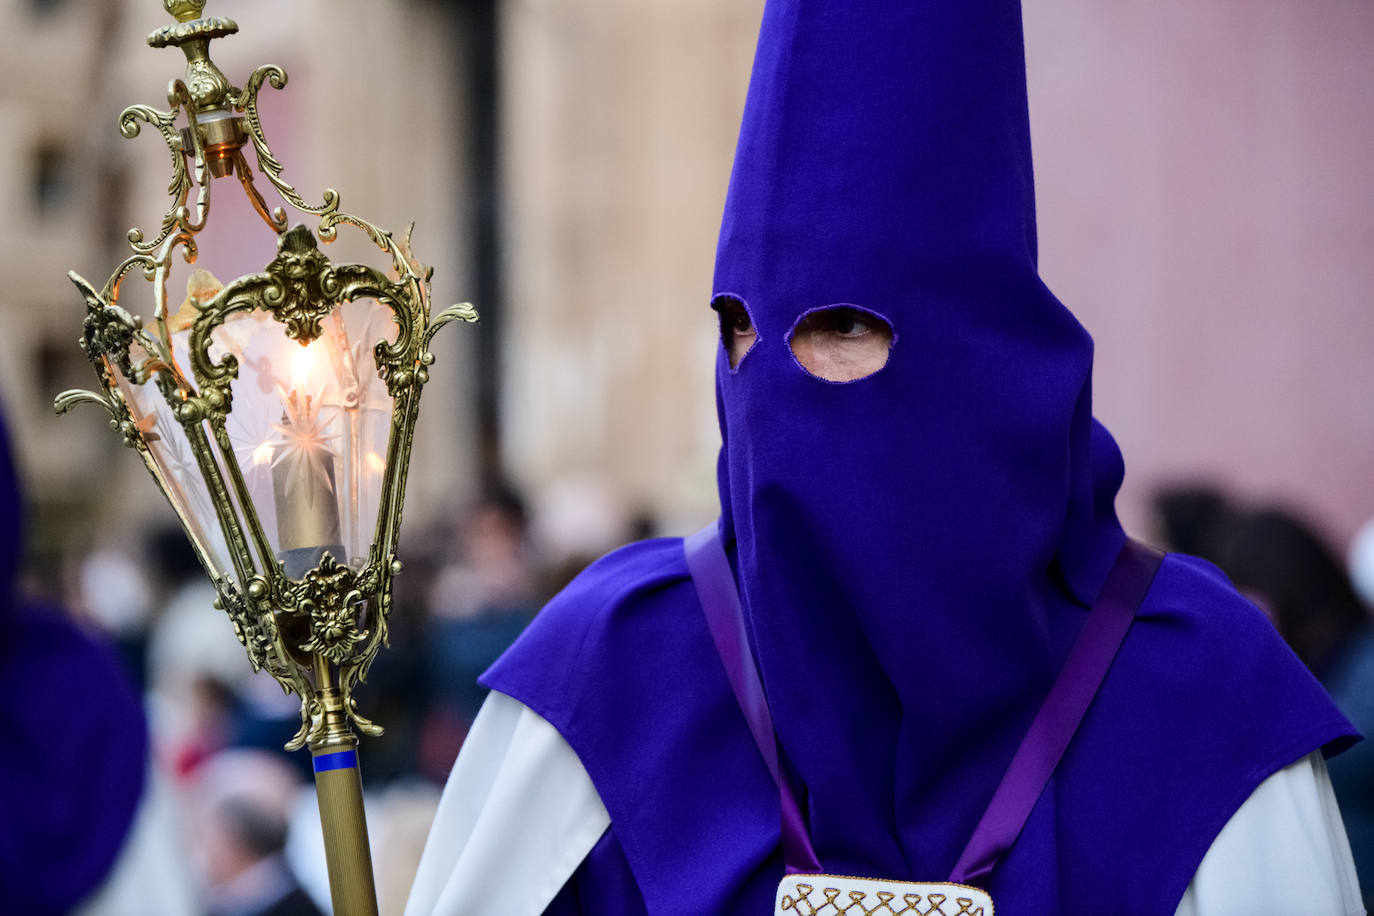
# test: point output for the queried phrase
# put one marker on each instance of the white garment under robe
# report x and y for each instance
(519, 814)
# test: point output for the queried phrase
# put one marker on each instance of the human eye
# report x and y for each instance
(738, 321)
(737, 332)
(849, 323)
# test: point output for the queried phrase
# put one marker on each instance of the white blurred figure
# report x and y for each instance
(197, 669)
(576, 519)
(579, 515)
(151, 857)
(1360, 562)
(115, 595)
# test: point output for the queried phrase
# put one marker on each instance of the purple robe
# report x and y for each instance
(73, 743)
(916, 549)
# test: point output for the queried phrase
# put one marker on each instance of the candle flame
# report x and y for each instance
(262, 455)
(302, 365)
(375, 463)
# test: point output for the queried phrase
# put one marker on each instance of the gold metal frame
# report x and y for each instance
(319, 634)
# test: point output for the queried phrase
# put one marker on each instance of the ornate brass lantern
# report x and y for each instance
(276, 413)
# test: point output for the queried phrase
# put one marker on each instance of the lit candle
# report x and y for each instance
(303, 477)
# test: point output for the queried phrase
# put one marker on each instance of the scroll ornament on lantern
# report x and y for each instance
(293, 504)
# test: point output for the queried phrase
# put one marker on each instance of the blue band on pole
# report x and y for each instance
(341, 760)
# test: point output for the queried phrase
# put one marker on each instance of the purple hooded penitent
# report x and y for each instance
(73, 743)
(916, 550)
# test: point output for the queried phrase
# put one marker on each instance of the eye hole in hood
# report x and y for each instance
(841, 343)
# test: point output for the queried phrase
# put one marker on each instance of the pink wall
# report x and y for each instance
(1206, 203)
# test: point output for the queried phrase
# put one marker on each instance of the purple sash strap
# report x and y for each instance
(1035, 760)
(1054, 725)
(715, 585)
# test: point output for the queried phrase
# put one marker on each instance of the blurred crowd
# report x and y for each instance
(236, 813)
(239, 809)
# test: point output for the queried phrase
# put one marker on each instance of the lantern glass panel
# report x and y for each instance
(176, 461)
(309, 430)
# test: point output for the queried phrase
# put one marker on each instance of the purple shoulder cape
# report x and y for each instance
(1201, 705)
(73, 761)
(73, 742)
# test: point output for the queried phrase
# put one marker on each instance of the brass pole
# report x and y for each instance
(339, 790)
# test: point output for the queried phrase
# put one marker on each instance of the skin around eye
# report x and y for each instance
(841, 344)
(736, 329)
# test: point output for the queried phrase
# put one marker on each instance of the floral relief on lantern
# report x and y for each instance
(331, 595)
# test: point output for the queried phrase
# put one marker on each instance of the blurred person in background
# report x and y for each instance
(114, 594)
(85, 822)
(1192, 518)
(399, 685)
(577, 519)
(1360, 562)
(196, 667)
(241, 805)
(1280, 562)
(478, 605)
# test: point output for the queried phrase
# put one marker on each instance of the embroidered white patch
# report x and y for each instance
(834, 895)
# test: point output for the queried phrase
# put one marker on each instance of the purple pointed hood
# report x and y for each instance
(914, 548)
(884, 162)
(903, 539)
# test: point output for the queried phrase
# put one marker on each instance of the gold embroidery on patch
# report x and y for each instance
(886, 904)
